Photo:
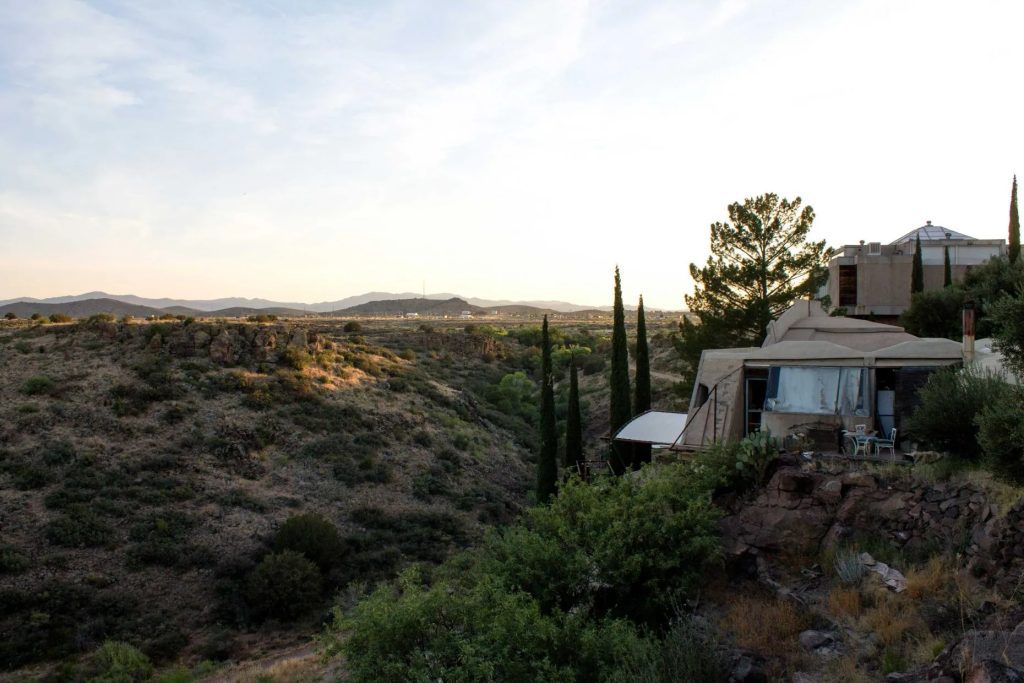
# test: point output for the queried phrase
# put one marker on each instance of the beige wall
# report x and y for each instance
(883, 282)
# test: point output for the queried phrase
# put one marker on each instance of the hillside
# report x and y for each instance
(143, 467)
(452, 306)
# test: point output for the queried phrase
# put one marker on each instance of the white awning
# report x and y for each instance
(656, 427)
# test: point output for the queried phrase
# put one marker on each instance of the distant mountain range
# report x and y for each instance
(209, 306)
(371, 303)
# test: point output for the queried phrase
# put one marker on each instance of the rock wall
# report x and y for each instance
(803, 512)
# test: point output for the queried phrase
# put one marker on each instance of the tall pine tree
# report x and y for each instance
(621, 455)
(547, 462)
(917, 270)
(642, 452)
(947, 268)
(1014, 224)
(574, 422)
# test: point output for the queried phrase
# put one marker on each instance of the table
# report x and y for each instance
(861, 442)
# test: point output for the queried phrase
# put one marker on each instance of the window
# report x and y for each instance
(817, 391)
(874, 248)
(847, 285)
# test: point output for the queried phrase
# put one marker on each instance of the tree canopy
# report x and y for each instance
(761, 262)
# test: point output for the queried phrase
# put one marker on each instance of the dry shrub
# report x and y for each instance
(845, 602)
(845, 670)
(893, 619)
(764, 624)
(932, 580)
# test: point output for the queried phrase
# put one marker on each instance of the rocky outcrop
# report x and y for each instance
(224, 343)
(801, 511)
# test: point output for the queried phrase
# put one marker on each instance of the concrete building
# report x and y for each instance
(814, 375)
(873, 279)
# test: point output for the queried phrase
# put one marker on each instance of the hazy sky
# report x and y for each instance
(307, 151)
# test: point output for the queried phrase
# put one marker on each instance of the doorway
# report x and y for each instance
(755, 391)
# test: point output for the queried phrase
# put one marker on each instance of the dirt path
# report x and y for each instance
(300, 663)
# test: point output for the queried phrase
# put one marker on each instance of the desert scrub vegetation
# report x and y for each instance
(79, 527)
(284, 585)
(595, 569)
(311, 536)
(40, 385)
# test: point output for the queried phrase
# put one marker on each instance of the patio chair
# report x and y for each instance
(889, 443)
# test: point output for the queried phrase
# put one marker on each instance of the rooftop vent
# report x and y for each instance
(874, 248)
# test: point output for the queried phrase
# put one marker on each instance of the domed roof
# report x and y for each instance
(931, 232)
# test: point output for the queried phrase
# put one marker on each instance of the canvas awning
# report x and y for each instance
(655, 427)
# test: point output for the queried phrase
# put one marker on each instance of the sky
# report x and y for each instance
(307, 151)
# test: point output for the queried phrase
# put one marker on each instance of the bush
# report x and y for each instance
(645, 543)
(311, 536)
(10, 316)
(297, 358)
(38, 386)
(353, 327)
(482, 633)
(120, 662)
(936, 313)
(284, 585)
(60, 318)
(12, 561)
(36, 316)
(1001, 437)
(950, 401)
(262, 318)
(80, 527)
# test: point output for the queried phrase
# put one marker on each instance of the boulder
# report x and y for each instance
(991, 671)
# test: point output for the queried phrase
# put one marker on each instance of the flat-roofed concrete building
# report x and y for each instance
(873, 279)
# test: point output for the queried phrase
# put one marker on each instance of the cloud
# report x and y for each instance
(310, 150)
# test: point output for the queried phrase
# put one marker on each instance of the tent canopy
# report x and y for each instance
(655, 427)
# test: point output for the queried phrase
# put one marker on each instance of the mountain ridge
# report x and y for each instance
(212, 306)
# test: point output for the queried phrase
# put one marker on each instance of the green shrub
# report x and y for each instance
(98, 318)
(936, 313)
(297, 358)
(12, 561)
(311, 536)
(36, 316)
(58, 453)
(262, 318)
(1001, 437)
(80, 527)
(284, 585)
(481, 633)
(40, 385)
(120, 662)
(646, 543)
(353, 327)
(60, 318)
(23, 346)
(949, 403)
(10, 316)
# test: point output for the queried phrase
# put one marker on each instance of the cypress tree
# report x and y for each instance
(574, 422)
(547, 462)
(917, 272)
(1014, 249)
(947, 269)
(642, 452)
(620, 399)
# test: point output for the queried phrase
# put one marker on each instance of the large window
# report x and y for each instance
(817, 391)
(848, 285)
